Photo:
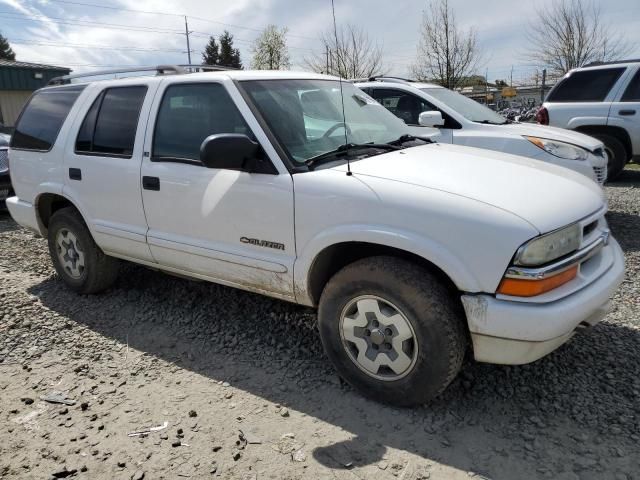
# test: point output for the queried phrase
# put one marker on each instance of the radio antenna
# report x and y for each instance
(344, 118)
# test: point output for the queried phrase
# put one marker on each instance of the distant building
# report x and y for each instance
(18, 80)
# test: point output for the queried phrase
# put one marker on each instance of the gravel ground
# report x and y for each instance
(246, 392)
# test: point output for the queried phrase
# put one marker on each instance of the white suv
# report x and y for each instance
(602, 100)
(462, 121)
(414, 252)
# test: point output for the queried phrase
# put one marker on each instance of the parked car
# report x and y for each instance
(5, 180)
(462, 121)
(601, 100)
(413, 252)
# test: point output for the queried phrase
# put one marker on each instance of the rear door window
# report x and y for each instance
(109, 127)
(586, 86)
(632, 93)
(42, 118)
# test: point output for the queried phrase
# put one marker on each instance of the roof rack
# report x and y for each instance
(384, 78)
(616, 62)
(159, 69)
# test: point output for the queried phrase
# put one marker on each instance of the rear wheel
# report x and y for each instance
(77, 259)
(616, 153)
(392, 330)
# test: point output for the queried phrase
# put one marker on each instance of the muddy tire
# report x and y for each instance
(77, 259)
(392, 330)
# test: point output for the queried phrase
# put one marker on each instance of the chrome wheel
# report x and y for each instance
(378, 338)
(69, 253)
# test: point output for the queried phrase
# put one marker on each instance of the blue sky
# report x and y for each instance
(65, 32)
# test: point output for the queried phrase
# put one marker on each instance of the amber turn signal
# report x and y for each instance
(518, 287)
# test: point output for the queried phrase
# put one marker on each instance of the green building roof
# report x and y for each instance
(27, 76)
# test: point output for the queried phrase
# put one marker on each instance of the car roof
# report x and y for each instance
(605, 65)
(239, 75)
(396, 83)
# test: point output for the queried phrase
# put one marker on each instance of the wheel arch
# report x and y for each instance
(334, 257)
(617, 132)
(47, 204)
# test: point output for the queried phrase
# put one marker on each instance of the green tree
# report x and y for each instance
(211, 54)
(6, 53)
(270, 50)
(229, 56)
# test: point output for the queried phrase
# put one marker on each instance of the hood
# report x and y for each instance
(553, 133)
(546, 196)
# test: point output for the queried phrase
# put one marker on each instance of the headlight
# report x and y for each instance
(548, 247)
(559, 149)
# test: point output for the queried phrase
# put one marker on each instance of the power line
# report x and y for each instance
(202, 19)
(125, 48)
(88, 23)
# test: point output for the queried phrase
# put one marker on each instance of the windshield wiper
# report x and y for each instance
(408, 138)
(344, 150)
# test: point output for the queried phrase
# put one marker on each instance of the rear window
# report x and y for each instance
(42, 118)
(110, 126)
(586, 86)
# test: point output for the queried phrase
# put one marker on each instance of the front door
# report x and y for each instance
(408, 108)
(228, 226)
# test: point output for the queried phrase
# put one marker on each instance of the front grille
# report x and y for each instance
(4, 160)
(601, 174)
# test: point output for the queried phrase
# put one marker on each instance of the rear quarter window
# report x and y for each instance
(42, 118)
(586, 86)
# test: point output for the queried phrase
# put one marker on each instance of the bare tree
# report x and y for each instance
(270, 50)
(570, 34)
(351, 55)
(446, 53)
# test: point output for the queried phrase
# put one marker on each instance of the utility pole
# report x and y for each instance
(486, 88)
(186, 32)
(544, 82)
(511, 81)
(326, 52)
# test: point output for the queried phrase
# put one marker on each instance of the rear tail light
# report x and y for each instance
(542, 116)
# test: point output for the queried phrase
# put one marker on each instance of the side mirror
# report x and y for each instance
(431, 119)
(229, 151)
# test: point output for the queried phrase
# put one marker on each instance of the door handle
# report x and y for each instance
(75, 174)
(627, 112)
(151, 183)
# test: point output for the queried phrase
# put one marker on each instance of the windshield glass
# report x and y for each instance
(469, 109)
(306, 115)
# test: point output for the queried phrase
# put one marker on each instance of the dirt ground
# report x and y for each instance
(246, 392)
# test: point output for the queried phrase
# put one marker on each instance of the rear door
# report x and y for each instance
(102, 160)
(625, 110)
(229, 226)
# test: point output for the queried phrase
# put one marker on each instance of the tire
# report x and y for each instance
(86, 268)
(616, 152)
(435, 319)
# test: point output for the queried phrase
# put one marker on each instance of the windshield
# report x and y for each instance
(306, 115)
(469, 109)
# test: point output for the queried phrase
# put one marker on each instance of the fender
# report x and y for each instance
(428, 249)
(577, 122)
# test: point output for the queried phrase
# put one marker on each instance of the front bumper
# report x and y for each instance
(514, 333)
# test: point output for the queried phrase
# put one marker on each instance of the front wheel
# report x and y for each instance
(77, 259)
(392, 330)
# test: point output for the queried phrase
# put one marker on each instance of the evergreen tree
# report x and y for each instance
(211, 54)
(229, 56)
(6, 53)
